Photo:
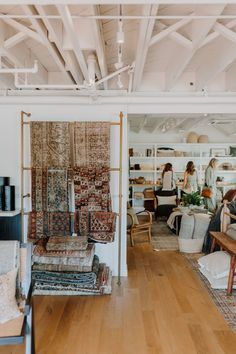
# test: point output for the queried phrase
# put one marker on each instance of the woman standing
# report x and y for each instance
(190, 183)
(168, 178)
(210, 182)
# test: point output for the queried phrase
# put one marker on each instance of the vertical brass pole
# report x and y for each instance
(22, 176)
(120, 199)
(22, 172)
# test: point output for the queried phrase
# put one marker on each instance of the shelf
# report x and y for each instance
(142, 157)
(141, 199)
(142, 171)
(9, 213)
(144, 185)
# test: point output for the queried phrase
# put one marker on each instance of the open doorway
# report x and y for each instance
(158, 140)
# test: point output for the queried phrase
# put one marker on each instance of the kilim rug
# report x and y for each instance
(92, 144)
(50, 190)
(50, 144)
(225, 304)
(163, 238)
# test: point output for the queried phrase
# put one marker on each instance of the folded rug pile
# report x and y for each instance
(68, 266)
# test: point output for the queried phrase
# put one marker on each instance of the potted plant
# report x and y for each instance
(193, 198)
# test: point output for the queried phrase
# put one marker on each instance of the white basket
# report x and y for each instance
(190, 245)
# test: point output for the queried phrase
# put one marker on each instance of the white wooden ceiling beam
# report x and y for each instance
(216, 34)
(223, 53)
(225, 32)
(167, 31)
(145, 33)
(42, 31)
(200, 29)
(100, 45)
(20, 27)
(66, 55)
(69, 26)
(177, 37)
(14, 40)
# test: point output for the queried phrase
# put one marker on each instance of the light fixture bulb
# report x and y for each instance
(120, 37)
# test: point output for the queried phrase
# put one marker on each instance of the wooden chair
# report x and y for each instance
(20, 329)
(144, 225)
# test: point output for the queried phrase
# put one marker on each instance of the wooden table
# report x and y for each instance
(228, 244)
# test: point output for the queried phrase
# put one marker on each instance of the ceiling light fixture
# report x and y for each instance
(120, 37)
(119, 82)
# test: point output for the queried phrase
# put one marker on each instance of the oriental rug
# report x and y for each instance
(163, 238)
(66, 243)
(101, 287)
(92, 144)
(40, 249)
(100, 226)
(43, 224)
(50, 144)
(225, 304)
(50, 190)
(92, 189)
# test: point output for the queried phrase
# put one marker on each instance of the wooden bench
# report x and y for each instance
(228, 244)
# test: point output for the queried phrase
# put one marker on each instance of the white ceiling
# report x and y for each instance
(173, 48)
(180, 123)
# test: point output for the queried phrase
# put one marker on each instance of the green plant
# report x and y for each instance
(192, 198)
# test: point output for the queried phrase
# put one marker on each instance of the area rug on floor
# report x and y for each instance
(163, 238)
(225, 304)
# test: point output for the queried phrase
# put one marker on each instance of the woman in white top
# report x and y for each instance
(168, 178)
(190, 178)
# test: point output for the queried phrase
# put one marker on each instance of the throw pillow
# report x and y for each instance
(8, 306)
(217, 263)
(186, 227)
(131, 213)
(231, 231)
(166, 200)
(202, 222)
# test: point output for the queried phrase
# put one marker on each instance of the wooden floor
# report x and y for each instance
(161, 308)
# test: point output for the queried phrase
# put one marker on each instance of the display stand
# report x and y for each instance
(25, 123)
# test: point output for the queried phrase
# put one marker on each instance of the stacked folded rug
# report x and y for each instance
(67, 265)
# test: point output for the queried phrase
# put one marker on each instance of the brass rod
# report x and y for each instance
(26, 123)
(26, 195)
(120, 199)
(113, 169)
(111, 123)
(22, 171)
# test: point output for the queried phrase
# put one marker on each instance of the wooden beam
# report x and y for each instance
(69, 62)
(14, 40)
(42, 32)
(222, 54)
(177, 37)
(225, 32)
(20, 27)
(216, 34)
(69, 26)
(145, 33)
(168, 30)
(200, 29)
(100, 45)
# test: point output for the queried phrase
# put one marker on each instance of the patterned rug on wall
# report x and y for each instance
(163, 239)
(225, 304)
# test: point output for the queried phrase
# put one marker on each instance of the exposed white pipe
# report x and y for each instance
(123, 17)
(32, 70)
(86, 86)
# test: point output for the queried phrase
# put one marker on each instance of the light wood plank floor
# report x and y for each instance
(162, 308)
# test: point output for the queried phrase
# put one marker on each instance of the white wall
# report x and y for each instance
(10, 156)
(104, 108)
